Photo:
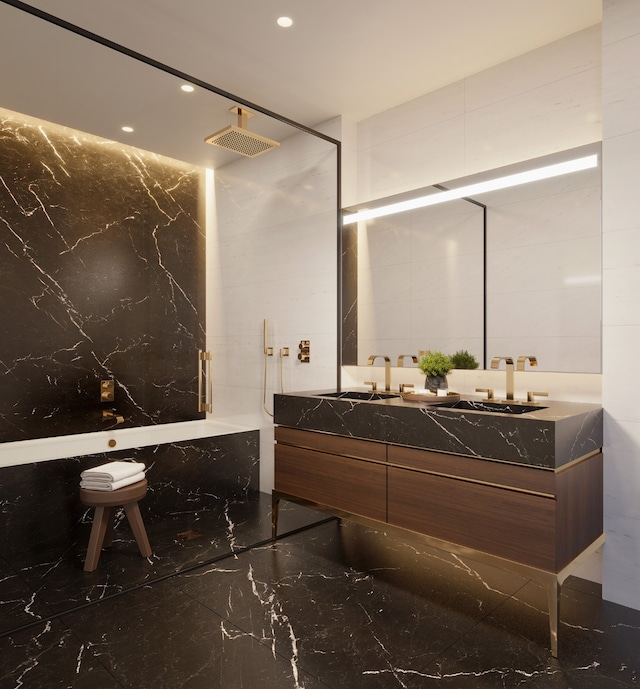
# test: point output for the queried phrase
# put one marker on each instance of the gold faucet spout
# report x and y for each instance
(522, 361)
(495, 363)
(402, 357)
(387, 369)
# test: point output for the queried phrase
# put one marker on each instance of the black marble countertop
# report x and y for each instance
(553, 435)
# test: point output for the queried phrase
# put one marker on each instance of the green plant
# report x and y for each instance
(463, 359)
(435, 364)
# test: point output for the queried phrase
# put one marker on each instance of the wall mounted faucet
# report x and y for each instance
(495, 363)
(110, 415)
(387, 369)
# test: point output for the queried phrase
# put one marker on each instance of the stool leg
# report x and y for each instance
(101, 520)
(108, 535)
(137, 526)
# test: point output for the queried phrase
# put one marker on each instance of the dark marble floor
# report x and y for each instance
(334, 605)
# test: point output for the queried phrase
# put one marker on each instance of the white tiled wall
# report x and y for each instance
(544, 272)
(545, 101)
(407, 265)
(272, 247)
(621, 284)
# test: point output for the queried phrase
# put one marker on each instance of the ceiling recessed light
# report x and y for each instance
(285, 22)
(187, 88)
(127, 129)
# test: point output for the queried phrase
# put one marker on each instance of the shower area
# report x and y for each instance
(133, 238)
(150, 225)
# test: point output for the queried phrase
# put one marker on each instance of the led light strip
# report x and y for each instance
(546, 172)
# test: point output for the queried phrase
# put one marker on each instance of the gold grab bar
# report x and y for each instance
(205, 383)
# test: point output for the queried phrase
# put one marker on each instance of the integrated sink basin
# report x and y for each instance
(492, 407)
(363, 396)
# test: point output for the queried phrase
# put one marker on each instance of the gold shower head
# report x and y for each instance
(239, 139)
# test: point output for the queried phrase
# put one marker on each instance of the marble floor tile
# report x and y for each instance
(56, 577)
(19, 603)
(333, 606)
(159, 638)
(49, 656)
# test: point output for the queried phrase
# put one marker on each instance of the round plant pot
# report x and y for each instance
(432, 383)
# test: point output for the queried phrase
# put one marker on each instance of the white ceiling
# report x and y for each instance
(348, 57)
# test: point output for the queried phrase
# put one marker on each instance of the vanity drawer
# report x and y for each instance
(519, 477)
(346, 484)
(514, 525)
(332, 444)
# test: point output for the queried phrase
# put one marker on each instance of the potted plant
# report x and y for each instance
(435, 366)
(463, 359)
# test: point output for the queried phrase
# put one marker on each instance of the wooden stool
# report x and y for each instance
(102, 529)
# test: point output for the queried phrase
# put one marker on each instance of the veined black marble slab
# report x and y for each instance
(40, 507)
(337, 606)
(548, 437)
(101, 277)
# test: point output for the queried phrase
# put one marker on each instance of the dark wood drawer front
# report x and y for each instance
(521, 477)
(513, 525)
(580, 507)
(345, 484)
(332, 444)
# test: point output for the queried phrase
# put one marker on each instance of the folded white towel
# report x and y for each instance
(96, 484)
(113, 471)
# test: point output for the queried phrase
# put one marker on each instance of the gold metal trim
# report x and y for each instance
(577, 460)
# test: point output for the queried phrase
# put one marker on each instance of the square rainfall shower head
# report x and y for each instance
(239, 139)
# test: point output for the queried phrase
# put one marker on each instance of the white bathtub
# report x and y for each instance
(43, 449)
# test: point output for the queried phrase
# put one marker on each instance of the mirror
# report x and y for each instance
(500, 273)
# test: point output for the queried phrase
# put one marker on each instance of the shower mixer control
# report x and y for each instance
(107, 390)
(304, 356)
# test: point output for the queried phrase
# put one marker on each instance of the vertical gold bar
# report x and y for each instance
(205, 384)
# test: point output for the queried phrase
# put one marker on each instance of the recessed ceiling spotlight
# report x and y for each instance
(187, 88)
(127, 129)
(285, 22)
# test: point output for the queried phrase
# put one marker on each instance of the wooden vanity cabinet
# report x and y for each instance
(537, 522)
(534, 516)
(346, 474)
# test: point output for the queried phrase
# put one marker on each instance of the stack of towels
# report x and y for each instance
(112, 476)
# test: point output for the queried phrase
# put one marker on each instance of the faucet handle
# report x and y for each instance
(531, 396)
(489, 392)
(373, 384)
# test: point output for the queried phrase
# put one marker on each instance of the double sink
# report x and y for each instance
(486, 406)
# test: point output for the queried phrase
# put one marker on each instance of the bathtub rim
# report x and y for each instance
(19, 452)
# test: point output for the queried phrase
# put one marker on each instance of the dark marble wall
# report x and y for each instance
(40, 509)
(101, 276)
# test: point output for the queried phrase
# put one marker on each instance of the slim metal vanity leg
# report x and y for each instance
(554, 588)
(275, 504)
